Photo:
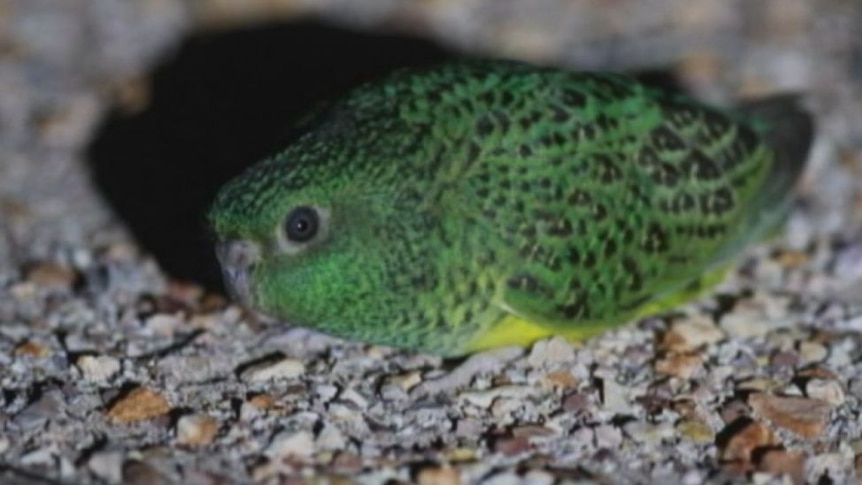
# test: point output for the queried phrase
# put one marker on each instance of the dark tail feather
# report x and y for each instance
(789, 130)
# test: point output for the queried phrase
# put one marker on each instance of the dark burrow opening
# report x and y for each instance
(220, 103)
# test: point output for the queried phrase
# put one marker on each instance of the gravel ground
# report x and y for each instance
(112, 371)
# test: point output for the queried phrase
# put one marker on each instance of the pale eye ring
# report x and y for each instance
(301, 224)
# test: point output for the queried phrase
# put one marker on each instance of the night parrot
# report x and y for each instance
(479, 204)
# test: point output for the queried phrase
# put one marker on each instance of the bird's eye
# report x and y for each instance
(301, 224)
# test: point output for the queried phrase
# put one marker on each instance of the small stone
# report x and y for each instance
(608, 436)
(733, 410)
(262, 400)
(503, 478)
(196, 429)
(649, 433)
(532, 431)
(538, 477)
(468, 428)
(679, 365)
(438, 475)
(38, 457)
(695, 430)
(4, 444)
(744, 324)
(758, 384)
(484, 399)
(511, 445)
(614, 397)
(346, 462)
(51, 275)
(825, 390)
(138, 404)
(783, 462)
(577, 402)
(562, 379)
(407, 380)
(279, 369)
(688, 335)
(812, 352)
(107, 465)
(551, 351)
(461, 455)
(803, 416)
(742, 437)
(331, 438)
(136, 472)
(97, 368)
(50, 405)
(286, 444)
(28, 347)
(166, 324)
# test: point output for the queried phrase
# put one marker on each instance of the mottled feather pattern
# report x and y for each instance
(482, 189)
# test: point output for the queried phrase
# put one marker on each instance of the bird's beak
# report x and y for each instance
(238, 258)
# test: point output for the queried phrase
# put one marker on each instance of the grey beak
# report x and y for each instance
(237, 258)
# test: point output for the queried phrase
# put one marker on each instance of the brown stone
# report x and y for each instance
(783, 462)
(738, 440)
(438, 475)
(679, 365)
(28, 347)
(803, 416)
(138, 404)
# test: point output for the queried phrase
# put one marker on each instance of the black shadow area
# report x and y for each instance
(221, 103)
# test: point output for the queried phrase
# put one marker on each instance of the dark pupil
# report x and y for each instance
(301, 224)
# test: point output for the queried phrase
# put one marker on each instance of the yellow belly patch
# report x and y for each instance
(514, 330)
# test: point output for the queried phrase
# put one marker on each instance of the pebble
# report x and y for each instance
(679, 365)
(138, 404)
(608, 436)
(550, 352)
(107, 465)
(511, 445)
(803, 416)
(784, 462)
(330, 438)
(196, 429)
(745, 324)
(33, 349)
(577, 402)
(614, 397)
(538, 477)
(165, 324)
(49, 406)
(695, 431)
(812, 352)
(137, 472)
(745, 437)
(286, 444)
(407, 380)
(280, 369)
(438, 475)
(51, 275)
(826, 390)
(97, 368)
(484, 399)
(650, 434)
(690, 334)
(561, 379)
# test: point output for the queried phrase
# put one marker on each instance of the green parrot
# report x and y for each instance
(480, 204)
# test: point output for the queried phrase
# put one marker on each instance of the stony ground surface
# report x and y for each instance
(112, 372)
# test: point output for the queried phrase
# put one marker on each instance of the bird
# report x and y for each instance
(477, 204)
